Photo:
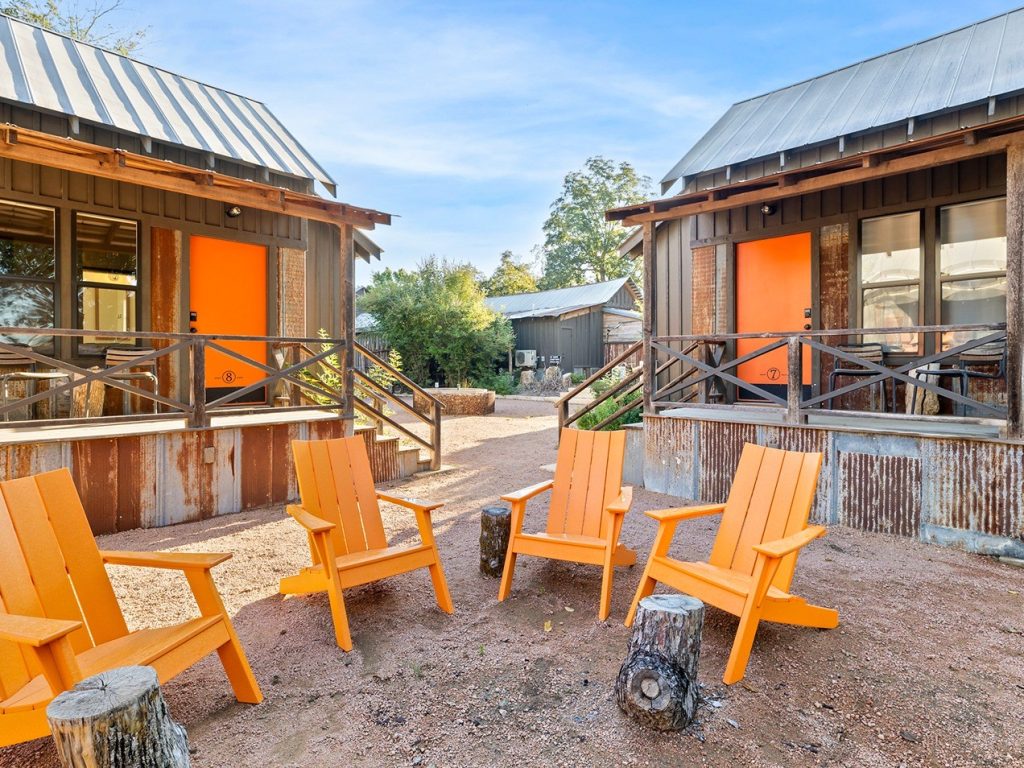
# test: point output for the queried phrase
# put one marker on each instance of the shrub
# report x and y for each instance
(501, 383)
(606, 382)
(321, 375)
(577, 378)
(634, 415)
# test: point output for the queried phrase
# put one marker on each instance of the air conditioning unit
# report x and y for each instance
(526, 358)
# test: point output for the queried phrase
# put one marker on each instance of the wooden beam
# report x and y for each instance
(891, 167)
(650, 313)
(80, 157)
(1015, 290)
(346, 357)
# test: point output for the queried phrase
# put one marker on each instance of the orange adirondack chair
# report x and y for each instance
(346, 534)
(588, 505)
(763, 528)
(60, 621)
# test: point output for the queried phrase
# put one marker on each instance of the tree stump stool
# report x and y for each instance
(117, 719)
(495, 531)
(657, 684)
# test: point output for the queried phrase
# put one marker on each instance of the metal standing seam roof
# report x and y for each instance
(966, 66)
(555, 302)
(55, 73)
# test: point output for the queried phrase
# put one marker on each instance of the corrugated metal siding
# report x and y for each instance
(670, 448)
(962, 493)
(948, 72)
(721, 444)
(976, 486)
(881, 494)
(153, 480)
(55, 73)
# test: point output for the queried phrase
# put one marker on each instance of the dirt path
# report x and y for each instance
(926, 669)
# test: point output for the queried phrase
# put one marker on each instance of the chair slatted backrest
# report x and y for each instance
(117, 355)
(336, 484)
(588, 477)
(50, 567)
(12, 358)
(872, 352)
(771, 497)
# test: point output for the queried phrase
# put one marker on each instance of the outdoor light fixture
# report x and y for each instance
(233, 211)
(767, 209)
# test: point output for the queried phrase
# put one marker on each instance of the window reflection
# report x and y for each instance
(27, 271)
(106, 269)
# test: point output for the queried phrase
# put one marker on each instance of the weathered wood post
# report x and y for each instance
(657, 684)
(495, 531)
(117, 719)
(1015, 290)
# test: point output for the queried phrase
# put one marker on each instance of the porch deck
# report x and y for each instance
(881, 423)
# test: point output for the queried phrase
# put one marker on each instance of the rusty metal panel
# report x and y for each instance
(670, 456)
(256, 465)
(94, 467)
(265, 468)
(975, 486)
(807, 441)
(222, 475)
(30, 458)
(879, 493)
(183, 480)
(325, 429)
(720, 446)
(136, 480)
(384, 458)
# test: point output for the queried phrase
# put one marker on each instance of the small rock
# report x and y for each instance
(910, 736)
(733, 723)
(417, 760)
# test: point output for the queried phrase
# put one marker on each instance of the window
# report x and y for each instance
(106, 277)
(972, 267)
(28, 271)
(890, 278)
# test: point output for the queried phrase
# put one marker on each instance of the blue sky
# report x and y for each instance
(463, 117)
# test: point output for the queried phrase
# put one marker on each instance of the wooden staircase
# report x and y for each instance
(395, 450)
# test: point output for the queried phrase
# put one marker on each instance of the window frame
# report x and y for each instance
(54, 281)
(940, 279)
(920, 283)
(81, 349)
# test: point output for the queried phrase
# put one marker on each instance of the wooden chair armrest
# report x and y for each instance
(622, 504)
(310, 522)
(783, 547)
(684, 513)
(33, 631)
(528, 493)
(179, 561)
(416, 505)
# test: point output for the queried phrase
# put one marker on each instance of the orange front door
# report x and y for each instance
(773, 293)
(228, 295)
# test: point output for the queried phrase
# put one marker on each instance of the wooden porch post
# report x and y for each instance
(347, 322)
(649, 320)
(1014, 289)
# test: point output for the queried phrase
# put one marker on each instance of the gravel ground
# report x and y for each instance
(926, 668)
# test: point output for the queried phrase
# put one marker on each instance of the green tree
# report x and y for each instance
(82, 21)
(579, 245)
(510, 277)
(436, 319)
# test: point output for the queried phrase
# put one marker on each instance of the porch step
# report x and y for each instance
(388, 459)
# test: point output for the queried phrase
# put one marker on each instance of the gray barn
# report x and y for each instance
(576, 327)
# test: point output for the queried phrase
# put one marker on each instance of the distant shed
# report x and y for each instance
(577, 328)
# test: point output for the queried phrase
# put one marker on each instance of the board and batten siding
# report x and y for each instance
(694, 257)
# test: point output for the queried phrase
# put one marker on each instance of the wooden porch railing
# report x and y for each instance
(372, 400)
(712, 367)
(191, 402)
(624, 387)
